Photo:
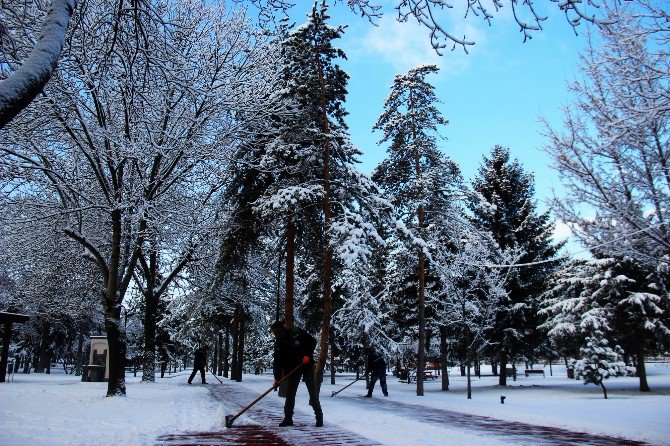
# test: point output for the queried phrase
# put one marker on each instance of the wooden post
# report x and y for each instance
(7, 319)
(5, 351)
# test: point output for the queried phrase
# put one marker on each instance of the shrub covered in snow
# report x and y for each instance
(599, 361)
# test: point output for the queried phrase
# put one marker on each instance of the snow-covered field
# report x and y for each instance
(58, 409)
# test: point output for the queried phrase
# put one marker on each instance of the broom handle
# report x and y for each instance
(356, 380)
(266, 392)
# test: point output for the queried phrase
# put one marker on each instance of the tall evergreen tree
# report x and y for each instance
(328, 205)
(412, 170)
(505, 206)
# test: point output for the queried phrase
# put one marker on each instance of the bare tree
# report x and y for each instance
(130, 126)
(613, 152)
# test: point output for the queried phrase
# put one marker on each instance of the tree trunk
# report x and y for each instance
(215, 359)
(641, 369)
(116, 386)
(420, 357)
(80, 353)
(604, 389)
(226, 350)
(6, 337)
(502, 379)
(220, 364)
(289, 300)
(235, 355)
(328, 255)
(443, 358)
(44, 362)
(494, 367)
(149, 354)
(332, 357)
(240, 349)
(467, 366)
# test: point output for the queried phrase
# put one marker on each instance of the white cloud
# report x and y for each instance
(406, 45)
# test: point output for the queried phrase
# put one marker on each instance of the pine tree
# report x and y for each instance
(506, 208)
(616, 296)
(328, 205)
(599, 361)
(414, 171)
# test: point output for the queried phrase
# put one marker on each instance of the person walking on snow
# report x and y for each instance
(294, 347)
(377, 365)
(199, 364)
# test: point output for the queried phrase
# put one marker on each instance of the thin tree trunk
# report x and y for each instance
(443, 358)
(467, 366)
(80, 350)
(604, 389)
(235, 333)
(220, 364)
(226, 350)
(215, 360)
(502, 379)
(240, 350)
(420, 359)
(328, 255)
(289, 301)
(44, 353)
(332, 357)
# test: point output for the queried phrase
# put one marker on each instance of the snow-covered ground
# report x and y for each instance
(58, 409)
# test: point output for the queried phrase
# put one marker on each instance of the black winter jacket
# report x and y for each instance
(289, 352)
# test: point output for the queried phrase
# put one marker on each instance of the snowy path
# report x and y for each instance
(259, 424)
(509, 431)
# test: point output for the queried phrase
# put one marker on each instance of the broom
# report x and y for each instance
(231, 418)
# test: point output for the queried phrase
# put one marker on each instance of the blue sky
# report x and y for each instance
(493, 95)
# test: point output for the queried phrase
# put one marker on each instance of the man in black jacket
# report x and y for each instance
(375, 363)
(295, 347)
(199, 364)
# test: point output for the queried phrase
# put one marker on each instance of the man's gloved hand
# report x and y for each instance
(305, 360)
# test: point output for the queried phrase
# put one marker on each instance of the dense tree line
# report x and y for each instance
(187, 177)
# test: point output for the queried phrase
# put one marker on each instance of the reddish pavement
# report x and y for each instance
(267, 414)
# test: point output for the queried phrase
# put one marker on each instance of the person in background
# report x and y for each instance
(376, 365)
(200, 364)
(295, 347)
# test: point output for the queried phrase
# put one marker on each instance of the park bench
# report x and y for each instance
(427, 374)
(534, 372)
(93, 373)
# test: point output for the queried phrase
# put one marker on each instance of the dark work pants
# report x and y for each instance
(381, 374)
(293, 382)
(201, 368)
